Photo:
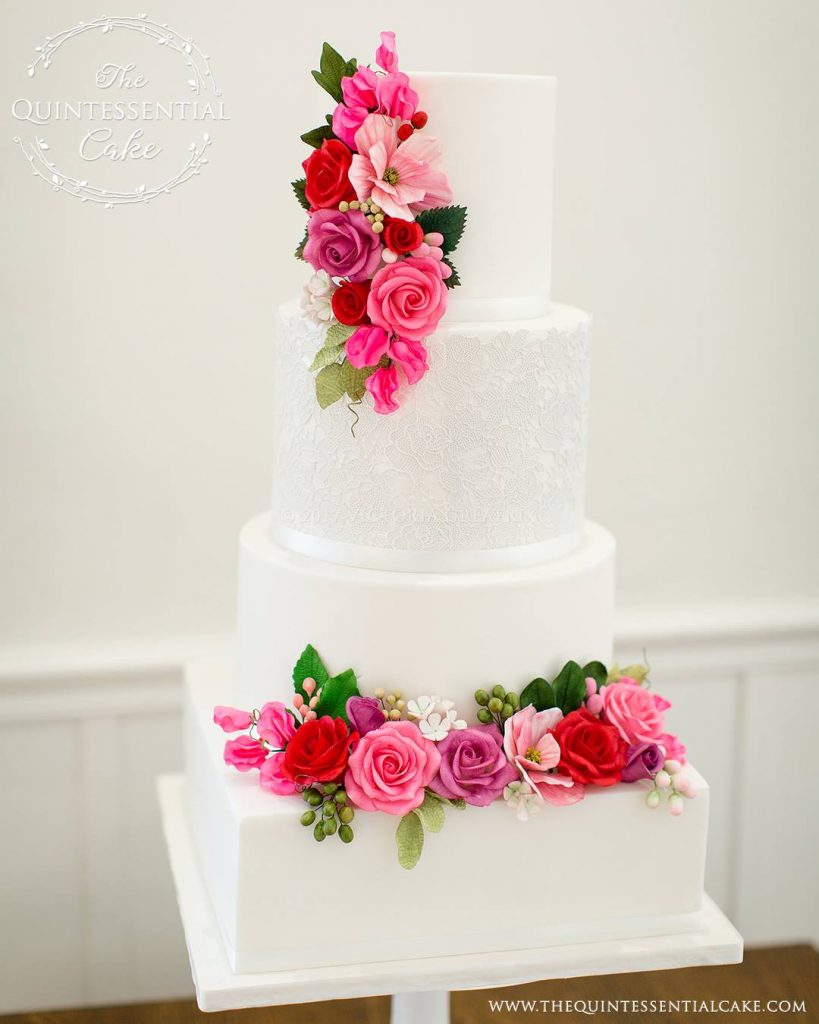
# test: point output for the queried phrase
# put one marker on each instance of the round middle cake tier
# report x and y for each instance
(482, 468)
(421, 633)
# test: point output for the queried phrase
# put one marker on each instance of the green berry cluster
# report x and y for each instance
(328, 813)
(496, 706)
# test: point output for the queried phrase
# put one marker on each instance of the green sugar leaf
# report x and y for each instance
(309, 666)
(432, 814)
(298, 187)
(454, 279)
(316, 136)
(330, 385)
(409, 838)
(326, 355)
(540, 694)
(338, 333)
(598, 672)
(332, 68)
(335, 693)
(299, 253)
(449, 220)
(354, 380)
(569, 687)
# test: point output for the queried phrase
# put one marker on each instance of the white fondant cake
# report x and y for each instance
(440, 549)
(485, 468)
(442, 632)
(606, 867)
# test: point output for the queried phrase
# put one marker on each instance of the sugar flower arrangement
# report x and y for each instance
(379, 234)
(345, 752)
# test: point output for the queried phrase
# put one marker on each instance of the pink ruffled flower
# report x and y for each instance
(399, 178)
(366, 346)
(272, 778)
(632, 711)
(275, 724)
(411, 356)
(347, 121)
(231, 719)
(408, 298)
(672, 748)
(659, 702)
(244, 753)
(530, 746)
(390, 767)
(342, 244)
(359, 89)
(386, 56)
(382, 385)
(395, 97)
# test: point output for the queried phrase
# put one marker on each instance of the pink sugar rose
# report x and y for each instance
(359, 89)
(244, 753)
(230, 719)
(366, 346)
(272, 777)
(386, 56)
(347, 121)
(401, 178)
(382, 385)
(408, 297)
(632, 711)
(530, 746)
(342, 244)
(390, 767)
(395, 96)
(411, 356)
(275, 724)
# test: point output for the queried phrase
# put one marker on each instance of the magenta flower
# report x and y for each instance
(473, 766)
(395, 97)
(347, 121)
(366, 346)
(244, 753)
(342, 244)
(386, 56)
(411, 356)
(230, 719)
(365, 714)
(400, 178)
(382, 385)
(272, 777)
(643, 760)
(359, 89)
(275, 724)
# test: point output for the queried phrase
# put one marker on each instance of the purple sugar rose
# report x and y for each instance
(365, 714)
(473, 766)
(642, 761)
(343, 244)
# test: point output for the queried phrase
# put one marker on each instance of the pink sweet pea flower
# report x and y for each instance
(386, 56)
(399, 178)
(272, 778)
(382, 385)
(244, 753)
(347, 121)
(275, 724)
(231, 719)
(530, 746)
(359, 89)
(396, 98)
(366, 346)
(672, 748)
(411, 356)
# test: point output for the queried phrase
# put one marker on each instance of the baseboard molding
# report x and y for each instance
(63, 681)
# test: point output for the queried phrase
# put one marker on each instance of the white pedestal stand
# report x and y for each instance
(420, 988)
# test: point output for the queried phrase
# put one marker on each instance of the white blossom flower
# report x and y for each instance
(317, 297)
(435, 716)
(522, 798)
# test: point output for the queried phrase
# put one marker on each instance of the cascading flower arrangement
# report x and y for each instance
(380, 231)
(344, 752)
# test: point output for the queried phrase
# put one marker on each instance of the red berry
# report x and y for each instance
(418, 119)
(405, 131)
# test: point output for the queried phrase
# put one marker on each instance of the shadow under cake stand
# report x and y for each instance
(419, 987)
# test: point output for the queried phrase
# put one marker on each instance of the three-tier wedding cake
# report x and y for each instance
(427, 568)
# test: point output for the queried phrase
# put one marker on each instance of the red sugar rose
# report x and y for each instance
(402, 236)
(318, 752)
(326, 172)
(349, 302)
(590, 751)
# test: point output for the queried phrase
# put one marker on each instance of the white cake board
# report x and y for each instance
(420, 987)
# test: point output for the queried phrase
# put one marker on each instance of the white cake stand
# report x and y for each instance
(419, 988)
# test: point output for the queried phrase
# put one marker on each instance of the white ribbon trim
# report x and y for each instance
(361, 556)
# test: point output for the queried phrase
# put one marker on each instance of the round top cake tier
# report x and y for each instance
(497, 136)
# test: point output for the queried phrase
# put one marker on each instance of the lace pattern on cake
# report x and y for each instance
(489, 451)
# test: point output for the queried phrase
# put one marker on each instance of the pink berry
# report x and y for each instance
(309, 686)
(298, 700)
(594, 705)
(446, 271)
(436, 252)
(434, 238)
(591, 686)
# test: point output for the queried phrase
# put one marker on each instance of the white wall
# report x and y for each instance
(134, 412)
